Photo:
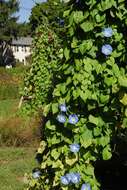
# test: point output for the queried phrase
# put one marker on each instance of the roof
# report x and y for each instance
(22, 41)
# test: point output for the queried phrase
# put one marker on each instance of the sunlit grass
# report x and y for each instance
(14, 163)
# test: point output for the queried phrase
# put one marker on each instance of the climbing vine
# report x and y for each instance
(88, 106)
(39, 81)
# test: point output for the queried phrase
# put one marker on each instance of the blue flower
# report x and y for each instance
(75, 177)
(107, 32)
(73, 119)
(68, 176)
(61, 22)
(64, 180)
(74, 148)
(36, 173)
(106, 49)
(63, 107)
(86, 186)
(61, 118)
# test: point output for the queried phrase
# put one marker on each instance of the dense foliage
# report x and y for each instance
(39, 80)
(52, 10)
(88, 106)
(7, 19)
(24, 29)
(8, 28)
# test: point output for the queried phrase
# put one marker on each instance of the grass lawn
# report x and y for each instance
(16, 129)
(8, 107)
(14, 163)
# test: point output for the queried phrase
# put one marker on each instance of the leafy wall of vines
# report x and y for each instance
(88, 106)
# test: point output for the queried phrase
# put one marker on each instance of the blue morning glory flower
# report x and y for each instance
(61, 118)
(73, 119)
(106, 49)
(64, 180)
(73, 177)
(36, 173)
(63, 107)
(74, 147)
(61, 22)
(68, 176)
(107, 32)
(86, 186)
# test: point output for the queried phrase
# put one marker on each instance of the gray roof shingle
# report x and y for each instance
(22, 41)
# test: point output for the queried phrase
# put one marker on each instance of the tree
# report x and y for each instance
(53, 10)
(8, 20)
(7, 24)
(24, 29)
(88, 105)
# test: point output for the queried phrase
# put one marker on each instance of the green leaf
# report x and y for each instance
(103, 141)
(66, 13)
(58, 164)
(55, 154)
(67, 53)
(43, 165)
(124, 100)
(49, 126)
(85, 95)
(52, 140)
(89, 170)
(124, 124)
(97, 131)
(87, 26)
(94, 120)
(86, 138)
(78, 16)
(104, 98)
(71, 160)
(42, 147)
(63, 88)
(74, 43)
(106, 153)
(55, 107)
(122, 81)
(85, 46)
(110, 81)
(46, 110)
(100, 18)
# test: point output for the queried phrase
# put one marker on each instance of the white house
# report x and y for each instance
(21, 48)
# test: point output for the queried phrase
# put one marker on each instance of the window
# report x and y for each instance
(25, 49)
(22, 48)
(17, 48)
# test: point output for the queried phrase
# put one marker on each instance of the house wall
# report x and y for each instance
(21, 52)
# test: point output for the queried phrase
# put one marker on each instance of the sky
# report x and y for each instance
(25, 9)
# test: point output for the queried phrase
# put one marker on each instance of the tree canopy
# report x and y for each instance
(24, 29)
(53, 10)
(8, 19)
(8, 27)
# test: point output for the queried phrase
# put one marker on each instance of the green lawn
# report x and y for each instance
(8, 107)
(14, 163)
